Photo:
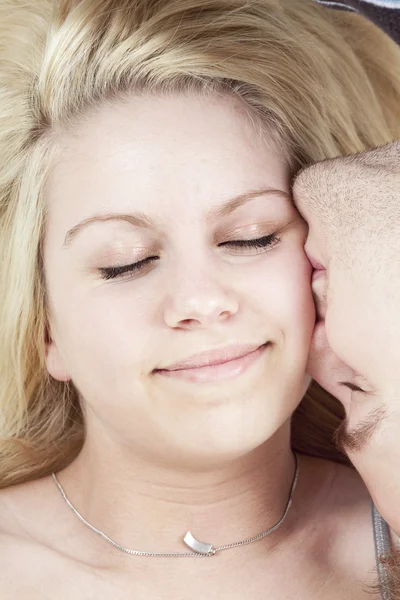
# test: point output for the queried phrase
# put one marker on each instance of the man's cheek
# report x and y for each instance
(350, 335)
(341, 321)
(326, 367)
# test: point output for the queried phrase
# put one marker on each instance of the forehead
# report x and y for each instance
(149, 153)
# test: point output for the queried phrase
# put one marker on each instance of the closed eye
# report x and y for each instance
(259, 243)
(114, 272)
(262, 242)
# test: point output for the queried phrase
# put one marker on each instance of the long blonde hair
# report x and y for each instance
(326, 83)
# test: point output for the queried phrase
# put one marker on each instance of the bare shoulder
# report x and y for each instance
(24, 514)
(31, 567)
(18, 507)
(30, 513)
(334, 511)
(17, 545)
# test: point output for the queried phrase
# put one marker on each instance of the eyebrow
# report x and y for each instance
(141, 220)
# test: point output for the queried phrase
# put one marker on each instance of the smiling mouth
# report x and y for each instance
(216, 372)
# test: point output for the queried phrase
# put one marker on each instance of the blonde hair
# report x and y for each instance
(327, 83)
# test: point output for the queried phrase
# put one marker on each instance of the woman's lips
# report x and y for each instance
(219, 372)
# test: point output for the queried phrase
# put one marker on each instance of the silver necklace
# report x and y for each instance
(199, 549)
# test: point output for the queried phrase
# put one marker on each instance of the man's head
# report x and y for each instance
(352, 207)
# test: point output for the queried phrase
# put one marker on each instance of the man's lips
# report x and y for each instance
(319, 291)
(316, 264)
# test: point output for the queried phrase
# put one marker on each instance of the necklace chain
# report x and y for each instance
(211, 552)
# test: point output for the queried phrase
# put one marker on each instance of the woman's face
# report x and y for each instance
(196, 182)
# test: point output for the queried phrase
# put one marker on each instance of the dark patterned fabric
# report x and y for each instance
(384, 13)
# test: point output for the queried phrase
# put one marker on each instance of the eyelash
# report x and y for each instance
(114, 272)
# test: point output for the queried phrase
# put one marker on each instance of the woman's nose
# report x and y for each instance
(199, 299)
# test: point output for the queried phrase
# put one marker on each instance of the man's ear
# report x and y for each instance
(54, 362)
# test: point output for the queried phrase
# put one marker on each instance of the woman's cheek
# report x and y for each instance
(296, 294)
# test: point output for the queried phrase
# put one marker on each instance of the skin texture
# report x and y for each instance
(352, 206)
(165, 456)
(176, 160)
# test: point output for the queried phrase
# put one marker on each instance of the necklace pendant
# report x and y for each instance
(197, 546)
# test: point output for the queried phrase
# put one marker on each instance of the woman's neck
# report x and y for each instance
(150, 507)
